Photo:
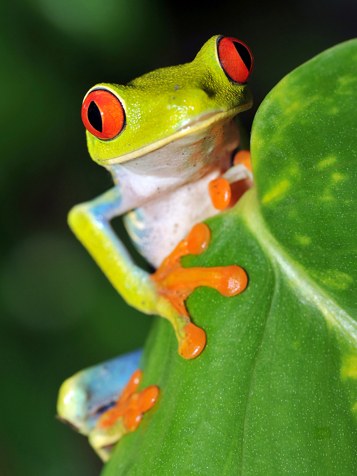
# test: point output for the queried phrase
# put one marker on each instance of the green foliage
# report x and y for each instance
(274, 392)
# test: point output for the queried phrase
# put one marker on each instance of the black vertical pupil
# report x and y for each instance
(95, 117)
(244, 54)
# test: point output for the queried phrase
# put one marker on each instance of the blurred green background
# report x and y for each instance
(58, 312)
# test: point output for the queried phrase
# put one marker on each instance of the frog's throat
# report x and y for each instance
(193, 126)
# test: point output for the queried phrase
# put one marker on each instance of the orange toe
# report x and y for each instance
(193, 343)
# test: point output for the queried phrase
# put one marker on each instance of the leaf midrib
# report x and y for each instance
(302, 283)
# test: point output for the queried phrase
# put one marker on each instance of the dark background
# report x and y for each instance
(58, 312)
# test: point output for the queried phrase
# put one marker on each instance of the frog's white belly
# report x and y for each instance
(157, 227)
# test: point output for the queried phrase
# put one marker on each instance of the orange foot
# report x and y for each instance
(131, 405)
(243, 157)
(224, 194)
(177, 283)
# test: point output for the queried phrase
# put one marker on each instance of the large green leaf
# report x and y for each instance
(274, 392)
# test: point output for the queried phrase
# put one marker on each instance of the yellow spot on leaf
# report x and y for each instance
(327, 195)
(295, 106)
(326, 162)
(334, 279)
(326, 198)
(303, 239)
(349, 368)
(337, 177)
(346, 80)
(277, 192)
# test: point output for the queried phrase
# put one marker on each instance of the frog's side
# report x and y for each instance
(164, 137)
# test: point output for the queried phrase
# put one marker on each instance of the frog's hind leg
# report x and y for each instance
(84, 396)
(103, 401)
(123, 417)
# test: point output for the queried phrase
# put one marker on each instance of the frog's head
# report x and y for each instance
(126, 122)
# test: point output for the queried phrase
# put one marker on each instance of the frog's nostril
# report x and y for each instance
(210, 92)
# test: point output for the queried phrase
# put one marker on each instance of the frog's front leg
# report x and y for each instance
(90, 223)
(227, 189)
(177, 283)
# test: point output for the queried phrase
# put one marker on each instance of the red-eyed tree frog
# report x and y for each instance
(167, 138)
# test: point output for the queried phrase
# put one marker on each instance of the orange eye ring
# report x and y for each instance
(103, 114)
(235, 58)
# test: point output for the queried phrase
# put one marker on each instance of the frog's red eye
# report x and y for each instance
(103, 114)
(236, 59)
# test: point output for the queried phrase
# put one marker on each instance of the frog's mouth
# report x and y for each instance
(205, 121)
